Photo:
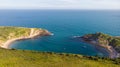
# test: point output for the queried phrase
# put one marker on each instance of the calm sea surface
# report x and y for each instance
(64, 24)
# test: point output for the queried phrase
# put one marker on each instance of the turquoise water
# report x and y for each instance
(64, 24)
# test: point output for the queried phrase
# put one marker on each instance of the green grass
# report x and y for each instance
(7, 33)
(22, 58)
(106, 40)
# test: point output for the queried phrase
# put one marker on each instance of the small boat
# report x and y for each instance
(84, 46)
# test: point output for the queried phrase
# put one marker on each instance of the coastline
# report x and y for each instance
(111, 51)
(31, 36)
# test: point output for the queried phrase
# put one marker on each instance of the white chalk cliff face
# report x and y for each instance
(31, 34)
(35, 33)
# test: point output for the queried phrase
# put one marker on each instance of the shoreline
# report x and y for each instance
(111, 51)
(31, 36)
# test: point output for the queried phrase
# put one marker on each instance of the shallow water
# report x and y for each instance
(64, 24)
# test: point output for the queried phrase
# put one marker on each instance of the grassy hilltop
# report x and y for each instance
(22, 58)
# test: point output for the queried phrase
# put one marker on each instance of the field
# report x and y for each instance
(23, 58)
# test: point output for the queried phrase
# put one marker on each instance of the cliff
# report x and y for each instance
(111, 43)
(11, 34)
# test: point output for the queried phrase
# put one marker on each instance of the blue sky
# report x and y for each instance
(59, 4)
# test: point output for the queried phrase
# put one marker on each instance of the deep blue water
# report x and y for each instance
(64, 24)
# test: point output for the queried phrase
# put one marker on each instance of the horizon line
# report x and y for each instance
(54, 9)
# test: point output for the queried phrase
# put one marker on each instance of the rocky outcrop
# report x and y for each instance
(110, 43)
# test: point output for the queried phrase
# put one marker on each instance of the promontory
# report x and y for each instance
(9, 34)
(108, 42)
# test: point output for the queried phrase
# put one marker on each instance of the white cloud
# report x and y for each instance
(60, 4)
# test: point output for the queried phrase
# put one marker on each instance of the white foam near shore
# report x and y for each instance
(52, 34)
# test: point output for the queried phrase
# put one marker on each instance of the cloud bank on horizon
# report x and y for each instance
(59, 4)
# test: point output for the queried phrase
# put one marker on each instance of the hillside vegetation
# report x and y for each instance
(105, 39)
(22, 58)
(7, 33)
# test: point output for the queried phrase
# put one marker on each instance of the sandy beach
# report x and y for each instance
(32, 35)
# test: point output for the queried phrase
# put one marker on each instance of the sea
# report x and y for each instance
(64, 24)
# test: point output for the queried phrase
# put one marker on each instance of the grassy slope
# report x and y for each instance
(106, 40)
(20, 58)
(7, 33)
